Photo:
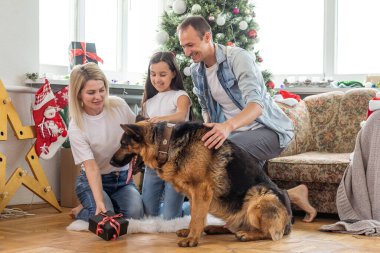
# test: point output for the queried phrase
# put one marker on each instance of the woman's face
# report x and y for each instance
(161, 76)
(92, 95)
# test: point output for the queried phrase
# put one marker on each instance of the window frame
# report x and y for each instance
(77, 33)
(329, 50)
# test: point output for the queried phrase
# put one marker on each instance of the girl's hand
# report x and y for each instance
(155, 119)
(217, 135)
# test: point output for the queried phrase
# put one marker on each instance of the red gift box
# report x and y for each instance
(82, 52)
(108, 225)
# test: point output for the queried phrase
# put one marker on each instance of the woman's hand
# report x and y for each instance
(100, 208)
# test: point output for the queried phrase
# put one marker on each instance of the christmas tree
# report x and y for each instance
(232, 23)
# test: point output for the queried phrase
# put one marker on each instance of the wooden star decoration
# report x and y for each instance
(37, 182)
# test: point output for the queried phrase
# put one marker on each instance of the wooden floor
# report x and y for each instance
(45, 232)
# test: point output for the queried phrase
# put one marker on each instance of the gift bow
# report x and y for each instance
(113, 223)
(82, 51)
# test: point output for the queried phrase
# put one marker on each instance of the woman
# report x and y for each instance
(95, 133)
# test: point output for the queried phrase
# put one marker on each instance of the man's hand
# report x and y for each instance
(217, 135)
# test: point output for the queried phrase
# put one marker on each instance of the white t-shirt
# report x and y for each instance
(101, 137)
(229, 108)
(163, 103)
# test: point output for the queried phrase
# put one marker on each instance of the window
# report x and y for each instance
(54, 32)
(319, 38)
(358, 48)
(122, 30)
(291, 35)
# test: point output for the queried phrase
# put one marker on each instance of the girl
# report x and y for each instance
(95, 133)
(165, 99)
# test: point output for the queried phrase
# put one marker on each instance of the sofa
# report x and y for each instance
(326, 126)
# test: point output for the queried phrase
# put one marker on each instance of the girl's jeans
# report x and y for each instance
(155, 191)
(118, 196)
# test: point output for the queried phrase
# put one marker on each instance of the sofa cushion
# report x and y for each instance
(302, 141)
(309, 167)
(324, 110)
(335, 118)
(352, 110)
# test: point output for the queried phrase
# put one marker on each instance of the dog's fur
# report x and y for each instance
(226, 182)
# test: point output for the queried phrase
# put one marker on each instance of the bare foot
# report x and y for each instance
(74, 212)
(299, 195)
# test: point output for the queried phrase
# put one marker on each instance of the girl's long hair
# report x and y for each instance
(177, 81)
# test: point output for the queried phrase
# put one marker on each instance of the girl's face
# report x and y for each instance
(92, 96)
(161, 76)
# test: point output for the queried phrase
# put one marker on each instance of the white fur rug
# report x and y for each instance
(150, 225)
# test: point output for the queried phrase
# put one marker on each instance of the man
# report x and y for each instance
(232, 94)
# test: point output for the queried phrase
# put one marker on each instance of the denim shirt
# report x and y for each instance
(243, 82)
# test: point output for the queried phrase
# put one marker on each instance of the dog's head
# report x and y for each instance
(137, 139)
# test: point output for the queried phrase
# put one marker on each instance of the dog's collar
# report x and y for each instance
(163, 146)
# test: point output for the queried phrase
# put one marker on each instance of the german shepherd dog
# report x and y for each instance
(226, 182)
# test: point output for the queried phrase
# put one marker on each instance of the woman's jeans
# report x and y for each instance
(118, 196)
(156, 191)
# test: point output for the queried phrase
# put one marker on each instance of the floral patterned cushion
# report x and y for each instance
(352, 110)
(302, 141)
(324, 109)
(309, 167)
(335, 118)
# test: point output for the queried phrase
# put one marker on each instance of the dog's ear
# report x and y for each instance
(139, 118)
(134, 131)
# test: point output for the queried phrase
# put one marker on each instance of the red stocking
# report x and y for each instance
(50, 128)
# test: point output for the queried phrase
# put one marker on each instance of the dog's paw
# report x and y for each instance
(243, 236)
(183, 232)
(216, 230)
(188, 242)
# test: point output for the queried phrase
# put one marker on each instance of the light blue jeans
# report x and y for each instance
(155, 192)
(118, 196)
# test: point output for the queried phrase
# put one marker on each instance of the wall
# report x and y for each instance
(19, 53)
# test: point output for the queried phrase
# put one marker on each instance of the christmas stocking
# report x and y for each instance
(61, 97)
(51, 130)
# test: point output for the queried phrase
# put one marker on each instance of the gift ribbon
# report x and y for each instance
(82, 51)
(113, 223)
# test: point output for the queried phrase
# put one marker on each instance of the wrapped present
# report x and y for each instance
(82, 52)
(108, 225)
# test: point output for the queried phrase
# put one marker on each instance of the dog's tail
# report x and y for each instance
(267, 213)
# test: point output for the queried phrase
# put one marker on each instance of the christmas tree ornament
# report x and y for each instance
(179, 7)
(186, 71)
(235, 10)
(252, 33)
(221, 20)
(196, 8)
(243, 39)
(259, 59)
(219, 36)
(50, 128)
(270, 84)
(230, 44)
(211, 18)
(243, 25)
(162, 37)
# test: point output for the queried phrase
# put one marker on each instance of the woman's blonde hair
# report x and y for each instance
(79, 76)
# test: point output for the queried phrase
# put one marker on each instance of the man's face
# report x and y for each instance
(192, 45)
